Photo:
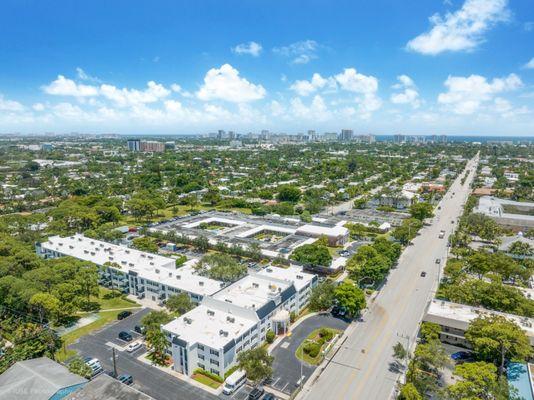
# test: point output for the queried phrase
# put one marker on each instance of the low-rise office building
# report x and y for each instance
(454, 319)
(508, 213)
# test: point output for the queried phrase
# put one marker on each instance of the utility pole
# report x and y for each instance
(114, 358)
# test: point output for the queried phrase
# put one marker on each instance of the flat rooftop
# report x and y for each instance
(253, 291)
(149, 266)
(460, 315)
(209, 326)
(292, 274)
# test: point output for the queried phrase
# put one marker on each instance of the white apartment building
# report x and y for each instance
(237, 318)
(143, 274)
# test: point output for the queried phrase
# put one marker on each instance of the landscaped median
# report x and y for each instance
(312, 349)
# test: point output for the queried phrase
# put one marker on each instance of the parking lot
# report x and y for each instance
(286, 366)
(160, 385)
(147, 379)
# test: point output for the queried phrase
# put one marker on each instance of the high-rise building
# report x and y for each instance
(134, 144)
(152, 146)
(399, 138)
(221, 134)
(346, 135)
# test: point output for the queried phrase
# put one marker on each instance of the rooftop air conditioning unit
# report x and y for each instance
(178, 277)
(157, 271)
(230, 319)
(300, 277)
(210, 312)
(254, 284)
(201, 283)
(188, 320)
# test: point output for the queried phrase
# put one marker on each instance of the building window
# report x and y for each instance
(214, 371)
(214, 362)
(214, 352)
(201, 366)
(201, 357)
(200, 347)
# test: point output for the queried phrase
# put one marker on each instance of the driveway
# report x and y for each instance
(147, 379)
(286, 366)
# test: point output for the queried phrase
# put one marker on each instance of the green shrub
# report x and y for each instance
(326, 334)
(231, 371)
(312, 349)
(210, 375)
(269, 336)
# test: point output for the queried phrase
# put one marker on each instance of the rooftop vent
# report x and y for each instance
(211, 313)
(230, 319)
(127, 251)
(223, 333)
(86, 251)
(300, 277)
(269, 269)
(157, 271)
(123, 262)
(178, 277)
(201, 283)
(256, 285)
(228, 300)
(188, 320)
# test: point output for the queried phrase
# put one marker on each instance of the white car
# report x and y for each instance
(133, 347)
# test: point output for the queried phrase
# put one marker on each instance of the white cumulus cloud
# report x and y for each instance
(461, 30)
(67, 87)
(251, 48)
(408, 95)
(530, 64)
(466, 95)
(10, 105)
(128, 97)
(224, 83)
(300, 52)
(305, 88)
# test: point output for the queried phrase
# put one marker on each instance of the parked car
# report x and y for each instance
(256, 394)
(423, 274)
(94, 364)
(126, 379)
(269, 396)
(133, 347)
(438, 260)
(127, 337)
(140, 329)
(338, 311)
(461, 356)
(123, 314)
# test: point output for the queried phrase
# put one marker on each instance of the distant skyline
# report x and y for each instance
(454, 67)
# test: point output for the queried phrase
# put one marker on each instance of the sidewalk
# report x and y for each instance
(182, 377)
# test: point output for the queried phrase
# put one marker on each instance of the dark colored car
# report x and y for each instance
(126, 379)
(461, 356)
(269, 396)
(125, 336)
(256, 394)
(123, 314)
(140, 329)
(338, 311)
(423, 274)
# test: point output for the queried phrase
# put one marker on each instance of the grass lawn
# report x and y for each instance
(113, 302)
(313, 337)
(205, 380)
(105, 318)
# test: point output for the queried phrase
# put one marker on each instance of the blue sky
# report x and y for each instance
(171, 67)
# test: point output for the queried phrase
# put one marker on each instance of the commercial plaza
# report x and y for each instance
(229, 319)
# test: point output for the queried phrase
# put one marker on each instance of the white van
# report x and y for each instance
(234, 381)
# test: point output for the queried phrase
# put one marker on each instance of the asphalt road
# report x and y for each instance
(361, 369)
(286, 366)
(147, 379)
